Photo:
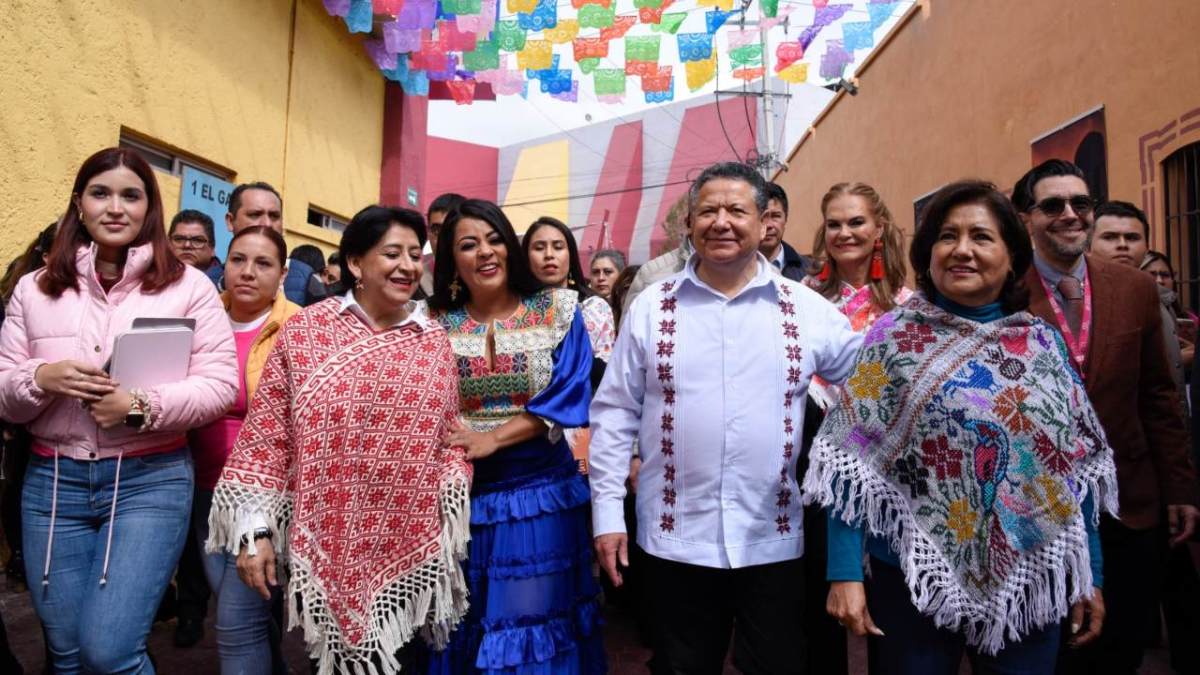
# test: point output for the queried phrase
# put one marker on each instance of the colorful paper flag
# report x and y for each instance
(652, 15)
(741, 38)
(596, 16)
(620, 26)
(589, 48)
(726, 5)
(537, 55)
(857, 35)
(564, 32)
(358, 19)
(750, 55)
(579, 4)
(786, 54)
(769, 8)
(795, 73)
(337, 7)
(557, 82)
(642, 47)
(384, 59)
(825, 15)
(611, 99)
(694, 46)
(700, 73)
(609, 81)
(651, 4)
(510, 36)
(834, 60)
(417, 14)
(388, 7)
(453, 39)
(485, 56)
(571, 96)
(714, 19)
(482, 23)
(659, 80)
(588, 65)
(525, 6)
(544, 16)
(880, 12)
(640, 68)
(663, 95)
(459, 7)
(462, 91)
(748, 74)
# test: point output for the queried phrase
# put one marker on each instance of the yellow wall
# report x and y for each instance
(541, 170)
(962, 88)
(208, 78)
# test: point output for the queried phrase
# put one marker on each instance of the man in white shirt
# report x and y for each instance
(710, 372)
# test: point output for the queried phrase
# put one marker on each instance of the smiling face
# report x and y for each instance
(113, 207)
(1119, 239)
(1062, 238)
(602, 275)
(253, 271)
(851, 230)
(480, 257)
(549, 256)
(727, 226)
(970, 260)
(389, 271)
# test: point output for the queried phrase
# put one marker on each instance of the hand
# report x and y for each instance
(635, 465)
(1093, 608)
(847, 603)
(74, 379)
(478, 445)
(258, 571)
(1181, 518)
(111, 410)
(611, 549)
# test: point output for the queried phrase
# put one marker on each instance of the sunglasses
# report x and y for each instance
(1055, 206)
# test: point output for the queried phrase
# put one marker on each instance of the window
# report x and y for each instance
(167, 160)
(1181, 191)
(326, 220)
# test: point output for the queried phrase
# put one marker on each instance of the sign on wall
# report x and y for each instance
(209, 195)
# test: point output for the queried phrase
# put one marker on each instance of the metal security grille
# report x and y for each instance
(1181, 172)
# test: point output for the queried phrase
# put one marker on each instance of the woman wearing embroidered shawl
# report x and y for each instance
(524, 361)
(965, 445)
(342, 468)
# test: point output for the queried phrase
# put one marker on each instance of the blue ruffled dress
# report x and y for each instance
(534, 603)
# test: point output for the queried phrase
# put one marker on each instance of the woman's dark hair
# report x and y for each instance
(309, 255)
(271, 234)
(520, 279)
(620, 289)
(367, 228)
(575, 279)
(31, 260)
(164, 269)
(1014, 296)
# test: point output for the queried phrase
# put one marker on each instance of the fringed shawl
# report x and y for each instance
(342, 455)
(970, 447)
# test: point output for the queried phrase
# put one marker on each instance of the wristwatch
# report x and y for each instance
(138, 416)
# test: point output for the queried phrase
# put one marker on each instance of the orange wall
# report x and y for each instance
(962, 88)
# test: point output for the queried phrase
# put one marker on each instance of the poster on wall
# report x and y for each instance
(1081, 140)
(209, 195)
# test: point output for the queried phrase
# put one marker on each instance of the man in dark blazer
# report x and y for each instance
(1120, 353)
(778, 252)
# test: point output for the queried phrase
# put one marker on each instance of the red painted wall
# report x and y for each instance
(454, 166)
(404, 146)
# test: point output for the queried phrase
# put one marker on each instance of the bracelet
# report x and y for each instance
(262, 533)
(141, 403)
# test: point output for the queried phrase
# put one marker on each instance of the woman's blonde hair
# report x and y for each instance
(895, 265)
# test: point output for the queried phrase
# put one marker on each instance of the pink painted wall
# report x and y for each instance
(454, 166)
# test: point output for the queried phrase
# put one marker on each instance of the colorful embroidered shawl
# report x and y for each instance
(342, 454)
(970, 447)
(858, 305)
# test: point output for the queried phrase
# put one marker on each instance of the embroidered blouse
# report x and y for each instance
(713, 388)
(598, 317)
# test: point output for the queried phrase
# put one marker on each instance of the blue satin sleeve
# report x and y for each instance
(565, 400)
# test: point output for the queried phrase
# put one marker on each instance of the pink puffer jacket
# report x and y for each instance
(81, 325)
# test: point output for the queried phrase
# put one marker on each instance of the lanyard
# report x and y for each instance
(1077, 344)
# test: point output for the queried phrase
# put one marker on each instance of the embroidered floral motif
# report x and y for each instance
(868, 381)
(961, 521)
(913, 337)
(665, 351)
(794, 376)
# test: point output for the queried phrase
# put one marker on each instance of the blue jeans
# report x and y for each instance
(914, 645)
(94, 628)
(243, 616)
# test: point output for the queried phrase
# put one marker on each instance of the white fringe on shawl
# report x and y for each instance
(1035, 592)
(431, 598)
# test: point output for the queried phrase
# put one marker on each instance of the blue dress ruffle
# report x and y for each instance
(534, 607)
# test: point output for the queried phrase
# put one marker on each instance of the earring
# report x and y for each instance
(570, 282)
(877, 261)
(358, 285)
(823, 275)
(455, 287)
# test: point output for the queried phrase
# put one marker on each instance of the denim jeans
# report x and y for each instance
(94, 628)
(243, 616)
(914, 645)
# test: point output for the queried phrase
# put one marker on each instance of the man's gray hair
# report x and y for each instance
(731, 171)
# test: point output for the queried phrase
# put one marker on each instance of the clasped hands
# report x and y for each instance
(103, 397)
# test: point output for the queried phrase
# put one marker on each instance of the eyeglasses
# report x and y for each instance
(1054, 206)
(189, 242)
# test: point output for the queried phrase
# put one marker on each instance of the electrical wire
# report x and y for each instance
(567, 198)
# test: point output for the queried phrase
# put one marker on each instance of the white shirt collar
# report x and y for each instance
(765, 274)
(416, 311)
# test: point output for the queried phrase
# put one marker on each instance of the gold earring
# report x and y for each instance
(454, 289)
(358, 285)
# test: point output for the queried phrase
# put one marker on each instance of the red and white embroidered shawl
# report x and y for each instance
(342, 454)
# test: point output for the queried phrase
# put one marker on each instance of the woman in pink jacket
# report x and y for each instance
(108, 492)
